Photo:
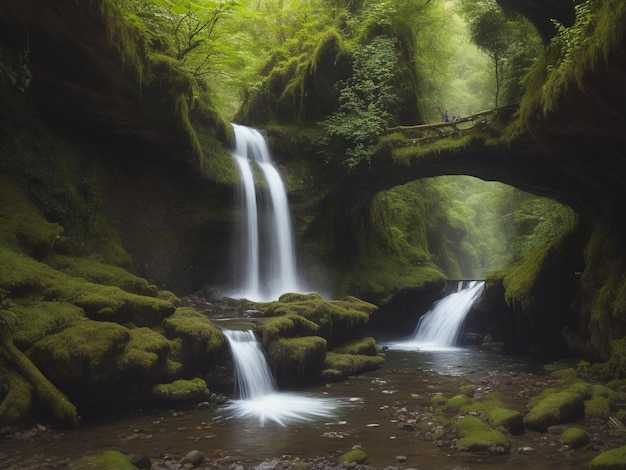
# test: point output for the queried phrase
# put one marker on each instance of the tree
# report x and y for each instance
(492, 34)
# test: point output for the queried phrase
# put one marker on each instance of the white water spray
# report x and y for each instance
(267, 263)
(257, 395)
(438, 329)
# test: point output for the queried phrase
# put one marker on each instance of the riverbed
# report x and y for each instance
(369, 413)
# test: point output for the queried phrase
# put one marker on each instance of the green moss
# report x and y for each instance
(22, 225)
(169, 297)
(295, 297)
(438, 400)
(16, 400)
(556, 408)
(565, 374)
(85, 351)
(36, 320)
(105, 460)
(597, 407)
(364, 346)
(335, 318)
(511, 420)
(458, 402)
(351, 364)
(285, 326)
(298, 358)
(584, 389)
(52, 398)
(355, 455)
(97, 272)
(476, 436)
(194, 329)
(24, 275)
(614, 459)
(575, 438)
(144, 352)
(180, 390)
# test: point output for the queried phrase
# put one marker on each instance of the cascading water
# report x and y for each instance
(268, 262)
(257, 395)
(439, 328)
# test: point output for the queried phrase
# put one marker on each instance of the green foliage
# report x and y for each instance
(366, 100)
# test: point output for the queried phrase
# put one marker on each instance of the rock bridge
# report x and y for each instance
(569, 157)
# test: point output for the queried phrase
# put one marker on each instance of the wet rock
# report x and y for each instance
(526, 450)
(401, 458)
(193, 457)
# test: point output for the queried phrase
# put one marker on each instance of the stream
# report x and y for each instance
(369, 414)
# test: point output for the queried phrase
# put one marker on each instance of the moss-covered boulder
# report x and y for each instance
(364, 346)
(357, 456)
(556, 408)
(180, 390)
(297, 359)
(614, 459)
(201, 342)
(477, 436)
(285, 326)
(84, 353)
(338, 320)
(511, 420)
(574, 437)
(343, 365)
(105, 460)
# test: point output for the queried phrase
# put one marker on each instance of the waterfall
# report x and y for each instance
(440, 326)
(438, 329)
(252, 373)
(257, 395)
(266, 246)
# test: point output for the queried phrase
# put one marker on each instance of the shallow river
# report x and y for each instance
(364, 417)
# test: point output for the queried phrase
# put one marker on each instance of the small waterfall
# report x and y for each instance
(252, 373)
(266, 246)
(440, 326)
(257, 395)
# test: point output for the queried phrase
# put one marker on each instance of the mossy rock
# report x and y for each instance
(285, 326)
(584, 389)
(180, 390)
(22, 225)
(105, 460)
(16, 399)
(97, 272)
(39, 319)
(357, 456)
(200, 338)
(364, 346)
(352, 364)
(438, 400)
(511, 420)
(295, 297)
(25, 276)
(575, 438)
(84, 352)
(556, 408)
(144, 353)
(297, 359)
(458, 402)
(614, 459)
(477, 436)
(598, 407)
(337, 319)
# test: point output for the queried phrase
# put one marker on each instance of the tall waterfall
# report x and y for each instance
(266, 249)
(257, 395)
(440, 326)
